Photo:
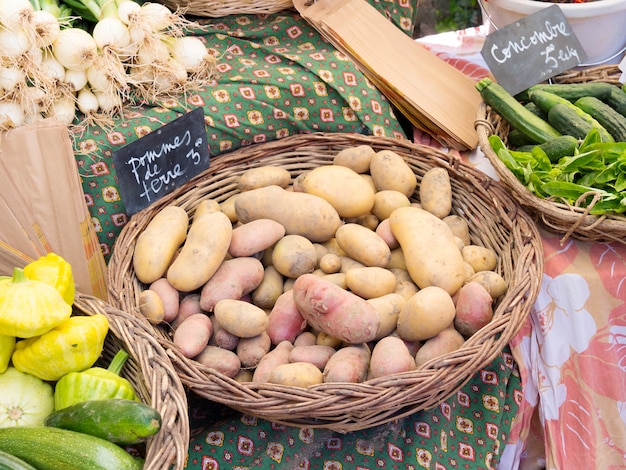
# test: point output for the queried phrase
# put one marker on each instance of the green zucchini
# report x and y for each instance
(516, 139)
(617, 100)
(571, 91)
(546, 100)
(115, 419)
(612, 121)
(501, 101)
(48, 448)
(557, 148)
(568, 122)
(11, 462)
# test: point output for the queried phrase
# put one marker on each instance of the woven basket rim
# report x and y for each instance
(221, 8)
(347, 407)
(154, 379)
(556, 216)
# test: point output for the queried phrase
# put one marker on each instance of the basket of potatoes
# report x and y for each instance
(330, 280)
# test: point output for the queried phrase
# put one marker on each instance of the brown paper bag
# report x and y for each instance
(42, 198)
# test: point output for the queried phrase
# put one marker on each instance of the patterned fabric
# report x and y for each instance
(466, 431)
(277, 77)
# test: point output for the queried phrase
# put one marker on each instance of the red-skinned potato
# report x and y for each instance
(193, 334)
(348, 364)
(285, 322)
(315, 354)
(221, 337)
(448, 340)
(474, 309)
(252, 350)
(277, 356)
(222, 360)
(169, 296)
(189, 304)
(329, 308)
(390, 356)
(254, 237)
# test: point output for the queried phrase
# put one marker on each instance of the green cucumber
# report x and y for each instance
(557, 148)
(571, 91)
(617, 100)
(48, 448)
(11, 462)
(501, 101)
(115, 419)
(612, 121)
(546, 100)
(568, 122)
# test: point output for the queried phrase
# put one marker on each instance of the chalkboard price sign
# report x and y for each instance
(532, 49)
(161, 161)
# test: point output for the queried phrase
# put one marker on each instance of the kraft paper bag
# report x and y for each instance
(43, 204)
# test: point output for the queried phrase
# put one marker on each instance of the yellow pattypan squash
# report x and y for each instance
(72, 346)
(29, 307)
(7, 345)
(54, 270)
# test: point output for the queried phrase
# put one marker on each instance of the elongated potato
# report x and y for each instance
(348, 364)
(169, 296)
(233, 279)
(277, 356)
(285, 322)
(300, 213)
(222, 360)
(206, 205)
(390, 356)
(371, 281)
(254, 237)
(270, 288)
(259, 177)
(430, 251)
(296, 374)
(335, 311)
(193, 334)
(435, 192)
(363, 245)
(390, 171)
(429, 311)
(356, 158)
(158, 243)
(342, 187)
(202, 253)
(240, 318)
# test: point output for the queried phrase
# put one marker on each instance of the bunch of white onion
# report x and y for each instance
(134, 51)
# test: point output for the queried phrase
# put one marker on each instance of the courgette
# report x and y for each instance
(571, 91)
(115, 419)
(11, 462)
(612, 121)
(546, 100)
(48, 448)
(557, 148)
(532, 126)
(568, 122)
(617, 100)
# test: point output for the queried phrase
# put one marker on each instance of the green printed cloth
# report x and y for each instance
(469, 430)
(276, 77)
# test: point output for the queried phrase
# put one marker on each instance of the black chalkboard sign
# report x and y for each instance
(532, 50)
(161, 161)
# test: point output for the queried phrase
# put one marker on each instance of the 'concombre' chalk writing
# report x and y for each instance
(512, 48)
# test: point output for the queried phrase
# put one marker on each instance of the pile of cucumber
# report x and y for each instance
(566, 141)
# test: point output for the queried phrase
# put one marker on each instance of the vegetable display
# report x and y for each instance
(327, 276)
(584, 165)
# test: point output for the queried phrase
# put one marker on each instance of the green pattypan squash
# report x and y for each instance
(25, 400)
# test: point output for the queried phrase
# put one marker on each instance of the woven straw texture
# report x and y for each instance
(220, 8)
(496, 221)
(152, 375)
(555, 215)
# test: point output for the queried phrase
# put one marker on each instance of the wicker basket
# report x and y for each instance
(220, 8)
(152, 375)
(556, 215)
(496, 220)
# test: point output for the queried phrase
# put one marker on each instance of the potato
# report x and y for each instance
(193, 334)
(151, 306)
(348, 364)
(221, 337)
(189, 304)
(233, 279)
(285, 322)
(370, 281)
(397, 259)
(321, 251)
(228, 208)
(390, 356)
(430, 252)
(479, 257)
(406, 289)
(337, 278)
(169, 296)
(369, 221)
(492, 282)
(277, 356)
(459, 227)
(300, 213)
(388, 308)
(363, 245)
(294, 255)
(244, 375)
(240, 318)
(342, 187)
(315, 354)
(383, 230)
(435, 192)
(224, 361)
(306, 338)
(202, 253)
(296, 374)
(469, 271)
(428, 312)
(259, 177)
(335, 311)
(270, 288)
(390, 171)
(386, 201)
(330, 263)
(447, 341)
(474, 309)
(356, 158)
(252, 350)
(158, 243)
(332, 246)
(206, 205)
(324, 339)
(254, 237)
(348, 263)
